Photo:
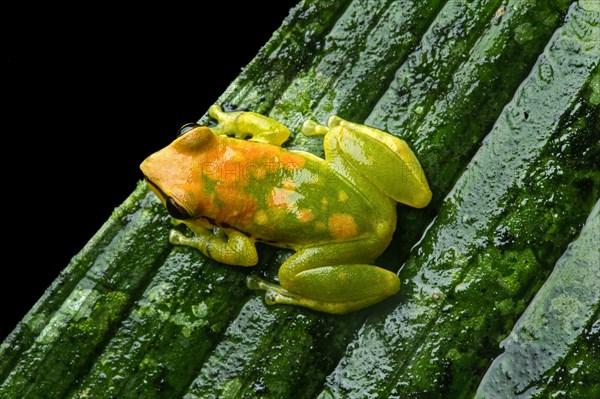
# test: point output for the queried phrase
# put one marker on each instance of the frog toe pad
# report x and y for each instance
(254, 283)
(271, 298)
(273, 293)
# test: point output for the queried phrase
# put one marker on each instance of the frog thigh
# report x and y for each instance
(385, 160)
(240, 124)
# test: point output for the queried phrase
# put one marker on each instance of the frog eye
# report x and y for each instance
(177, 211)
(186, 128)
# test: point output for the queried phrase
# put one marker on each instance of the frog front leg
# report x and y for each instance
(384, 160)
(318, 278)
(223, 245)
(248, 125)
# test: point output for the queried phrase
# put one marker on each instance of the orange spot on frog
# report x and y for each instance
(342, 226)
(283, 198)
(305, 215)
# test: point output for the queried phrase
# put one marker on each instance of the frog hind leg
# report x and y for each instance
(334, 288)
(362, 286)
(226, 246)
(248, 126)
(386, 161)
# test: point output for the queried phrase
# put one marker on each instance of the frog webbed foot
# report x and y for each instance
(248, 126)
(223, 245)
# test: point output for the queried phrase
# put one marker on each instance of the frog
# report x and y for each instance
(232, 185)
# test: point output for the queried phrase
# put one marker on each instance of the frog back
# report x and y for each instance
(282, 197)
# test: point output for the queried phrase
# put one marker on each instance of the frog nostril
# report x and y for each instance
(186, 128)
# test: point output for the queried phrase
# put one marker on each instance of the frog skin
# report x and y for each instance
(234, 185)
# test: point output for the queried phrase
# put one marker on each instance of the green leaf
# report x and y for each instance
(498, 99)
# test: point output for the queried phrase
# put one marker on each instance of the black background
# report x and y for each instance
(87, 96)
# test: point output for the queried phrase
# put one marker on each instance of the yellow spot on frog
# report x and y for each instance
(289, 184)
(342, 226)
(261, 217)
(342, 196)
(305, 215)
(320, 226)
(324, 203)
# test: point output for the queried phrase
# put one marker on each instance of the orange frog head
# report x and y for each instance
(174, 173)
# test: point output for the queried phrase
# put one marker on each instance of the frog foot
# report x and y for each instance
(248, 126)
(276, 294)
(226, 246)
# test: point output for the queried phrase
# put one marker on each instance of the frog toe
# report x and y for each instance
(178, 238)
(272, 298)
(334, 121)
(312, 128)
(254, 283)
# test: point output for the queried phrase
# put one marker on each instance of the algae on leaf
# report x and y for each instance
(565, 310)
